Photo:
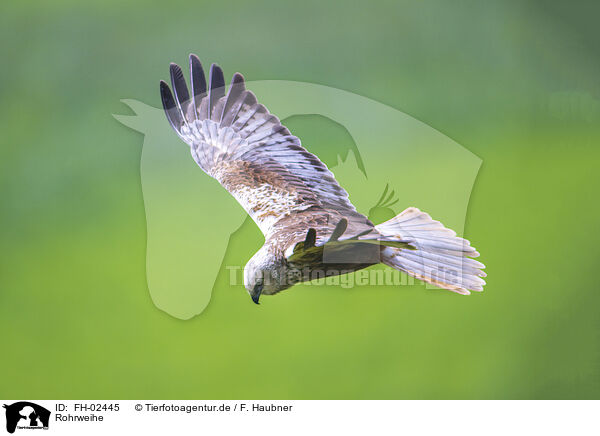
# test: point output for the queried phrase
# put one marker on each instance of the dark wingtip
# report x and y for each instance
(179, 86)
(195, 61)
(198, 81)
(215, 67)
(166, 96)
(339, 230)
(170, 107)
(237, 79)
(217, 86)
(236, 88)
(217, 78)
(311, 239)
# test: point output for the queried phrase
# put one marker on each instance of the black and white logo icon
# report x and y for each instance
(26, 415)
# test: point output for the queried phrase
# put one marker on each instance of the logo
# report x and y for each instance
(26, 415)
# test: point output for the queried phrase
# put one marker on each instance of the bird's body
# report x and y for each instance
(311, 228)
(276, 255)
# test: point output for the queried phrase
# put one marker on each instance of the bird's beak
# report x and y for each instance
(256, 294)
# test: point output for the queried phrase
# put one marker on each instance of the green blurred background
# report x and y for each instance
(514, 82)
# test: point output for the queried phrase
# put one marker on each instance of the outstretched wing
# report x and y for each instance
(235, 139)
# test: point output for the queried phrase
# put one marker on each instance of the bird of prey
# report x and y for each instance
(310, 226)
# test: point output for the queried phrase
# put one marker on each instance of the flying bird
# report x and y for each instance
(311, 228)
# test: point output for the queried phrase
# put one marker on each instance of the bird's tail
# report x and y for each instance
(441, 258)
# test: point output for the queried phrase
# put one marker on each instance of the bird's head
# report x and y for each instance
(262, 274)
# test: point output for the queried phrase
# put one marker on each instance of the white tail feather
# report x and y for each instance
(441, 257)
